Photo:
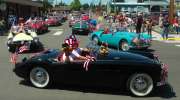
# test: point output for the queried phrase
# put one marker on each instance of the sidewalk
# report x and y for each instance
(173, 37)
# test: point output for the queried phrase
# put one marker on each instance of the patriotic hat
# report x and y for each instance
(71, 41)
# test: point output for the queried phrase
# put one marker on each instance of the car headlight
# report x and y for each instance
(9, 41)
(36, 39)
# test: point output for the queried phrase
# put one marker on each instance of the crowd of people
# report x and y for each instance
(140, 23)
(123, 22)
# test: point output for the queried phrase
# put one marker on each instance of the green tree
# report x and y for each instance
(46, 5)
(75, 5)
(85, 6)
(1, 1)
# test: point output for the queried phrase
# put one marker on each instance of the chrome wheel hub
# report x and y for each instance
(140, 84)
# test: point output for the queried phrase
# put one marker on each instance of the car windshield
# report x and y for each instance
(94, 48)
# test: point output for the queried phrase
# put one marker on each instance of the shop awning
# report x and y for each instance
(25, 2)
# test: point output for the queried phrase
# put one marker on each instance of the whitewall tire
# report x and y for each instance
(39, 77)
(140, 84)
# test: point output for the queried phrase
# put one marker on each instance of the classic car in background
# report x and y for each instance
(38, 26)
(73, 20)
(85, 17)
(52, 21)
(81, 27)
(139, 73)
(122, 40)
(30, 39)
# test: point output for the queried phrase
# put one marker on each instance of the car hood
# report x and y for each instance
(125, 56)
(46, 54)
(22, 37)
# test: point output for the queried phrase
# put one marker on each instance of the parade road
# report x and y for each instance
(14, 88)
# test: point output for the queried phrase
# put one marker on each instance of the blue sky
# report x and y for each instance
(83, 1)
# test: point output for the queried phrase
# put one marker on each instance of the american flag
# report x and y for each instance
(13, 57)
(86, 63)
(23, 48)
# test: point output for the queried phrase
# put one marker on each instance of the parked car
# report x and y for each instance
(15, 41)
(122, 40)
(81, 27)
(139, 74)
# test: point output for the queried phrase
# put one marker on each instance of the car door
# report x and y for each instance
(109, 70)
(108, 38)
(104, 73)
(70, 72)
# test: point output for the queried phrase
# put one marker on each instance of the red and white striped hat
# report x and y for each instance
(71, 40)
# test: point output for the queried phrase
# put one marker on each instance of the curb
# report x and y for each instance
(174, 39)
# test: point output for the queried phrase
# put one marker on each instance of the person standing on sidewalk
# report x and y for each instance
(161, 20)
(149, 24)
(2, 25)
(165, 26)
(176, 24)
(139, 22)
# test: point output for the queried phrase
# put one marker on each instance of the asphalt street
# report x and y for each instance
(14, 88)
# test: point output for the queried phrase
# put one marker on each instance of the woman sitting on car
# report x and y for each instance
(71, 50)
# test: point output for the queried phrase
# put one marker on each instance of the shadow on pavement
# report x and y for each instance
(165, 92)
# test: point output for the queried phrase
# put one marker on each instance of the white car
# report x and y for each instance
(30, 39)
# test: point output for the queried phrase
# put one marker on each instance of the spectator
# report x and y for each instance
(165, 26)
(176, 24)
(2, 25)
(139, 23)
(160, 20)
(130, 24)
(149, 24)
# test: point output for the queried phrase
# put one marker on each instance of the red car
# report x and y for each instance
(38, 26)
(51, 21)
(85, 17)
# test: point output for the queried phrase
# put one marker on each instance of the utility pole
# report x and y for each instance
(171, 10)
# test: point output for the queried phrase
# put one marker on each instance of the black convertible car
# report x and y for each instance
(139, 72)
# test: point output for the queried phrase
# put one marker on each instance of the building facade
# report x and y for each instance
(177, 4)
(138, 5)
(19, 8)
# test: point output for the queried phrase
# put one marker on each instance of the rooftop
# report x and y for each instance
(25, 2)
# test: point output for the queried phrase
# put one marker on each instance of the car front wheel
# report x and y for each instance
(124, 46)
(140, 84)
(95, 39)
(39, 77)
